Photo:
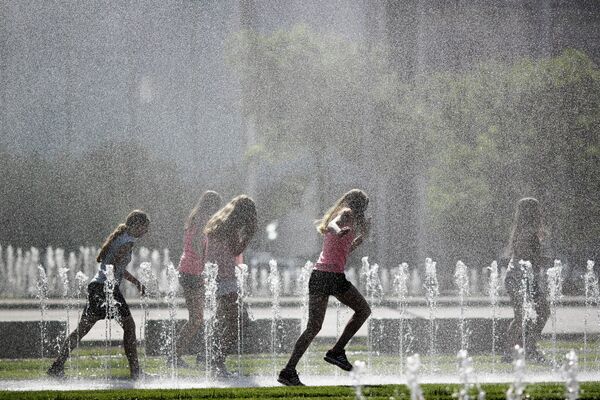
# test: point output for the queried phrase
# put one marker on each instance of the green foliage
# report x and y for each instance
(481, 138)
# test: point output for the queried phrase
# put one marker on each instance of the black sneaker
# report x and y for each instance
(338, 359)
(56, 371)
(289, 377)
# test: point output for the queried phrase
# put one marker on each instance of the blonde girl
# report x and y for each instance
(344, 228)
(115, 251)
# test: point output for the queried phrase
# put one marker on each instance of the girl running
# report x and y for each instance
(344, 228)
(191, 266)
(115, 251)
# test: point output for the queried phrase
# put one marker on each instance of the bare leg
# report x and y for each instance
(353, 299)
(317, 306)
(195, 305)
(227, 310)
(130, 345)
(85, 324)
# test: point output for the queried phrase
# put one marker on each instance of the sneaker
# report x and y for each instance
(289, 377)
(338, 359)
(56, 371)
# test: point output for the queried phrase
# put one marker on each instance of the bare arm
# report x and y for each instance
(338, 225)
(121, 253)
(364, 231)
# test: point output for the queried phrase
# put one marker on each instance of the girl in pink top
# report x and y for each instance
(344, 227)
(228, 233)
(191, 266)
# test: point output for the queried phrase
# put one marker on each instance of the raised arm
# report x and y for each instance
(339, 224)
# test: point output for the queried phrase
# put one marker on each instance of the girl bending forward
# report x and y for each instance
(115, 251)
(344, 227)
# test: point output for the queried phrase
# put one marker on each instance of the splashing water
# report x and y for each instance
(467, 377)
(555, 282)
(461, 278)
(400, 285)
(355, 374)
(111, 312)
(63, 274)
(432, 293)
(592, 299)
(170, 299)
(374, 293)
(493, 292)
(42, 295)
(529, 313)
(275, 287)
(210, 306)
(569, 370)
(148, 279)
(80, 280)
(413, 365)
(516, 391)
(241, 274)
(303, 280)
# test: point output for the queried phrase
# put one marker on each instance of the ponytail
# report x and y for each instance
(120, 229)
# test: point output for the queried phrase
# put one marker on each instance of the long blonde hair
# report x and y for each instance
(356, 200)
(135, 218)
(207, 205)
(239, 213)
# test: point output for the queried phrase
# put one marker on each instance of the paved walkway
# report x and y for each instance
(570, 320)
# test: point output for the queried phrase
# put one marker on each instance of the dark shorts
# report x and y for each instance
(191, 282)
(328, 283)
(96, 305)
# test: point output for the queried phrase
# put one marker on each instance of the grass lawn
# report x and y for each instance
(99, 363)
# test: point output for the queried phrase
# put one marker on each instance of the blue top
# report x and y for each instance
(109, 259)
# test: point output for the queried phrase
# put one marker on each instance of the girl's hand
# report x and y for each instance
(141, 288)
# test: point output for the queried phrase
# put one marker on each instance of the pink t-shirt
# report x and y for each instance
(335, 252)
(191, 262)
(218, 252)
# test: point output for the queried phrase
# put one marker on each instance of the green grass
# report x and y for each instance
(97, 362)
(387, 392)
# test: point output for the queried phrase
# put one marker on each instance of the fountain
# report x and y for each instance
(111, 313)
(432, 293)
(516, 391)
(357, 371)
(275, 288)
(592, 300)
(241, 274)
(210, 311)
(461, 278)
(171, 334)
(493, 292)
(570, 374)
(466, 378)
(400, 285)
(413, 365)
(42, 295)
(526, 287)
(555, 281)
(370, 274)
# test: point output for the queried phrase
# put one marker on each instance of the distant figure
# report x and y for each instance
(525, 244)
(344, 227)
(191, 266)
(115, 251)
(228, 233)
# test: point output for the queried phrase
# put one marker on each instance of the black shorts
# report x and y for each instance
(191, 282)
(96, 305)
(328, 283)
